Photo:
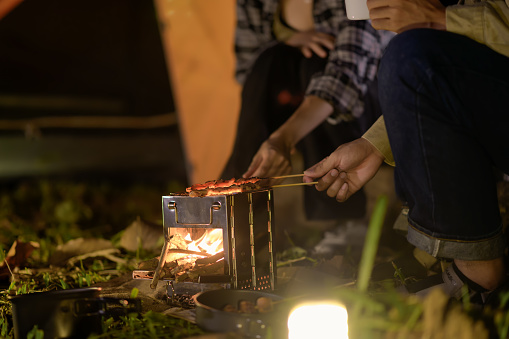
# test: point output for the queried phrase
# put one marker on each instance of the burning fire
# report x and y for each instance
(189, 244)
(194, 252)
(210, 242)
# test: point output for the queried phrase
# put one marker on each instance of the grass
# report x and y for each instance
(148, 325)
(50, 213)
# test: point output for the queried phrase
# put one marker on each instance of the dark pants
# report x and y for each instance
(272, 92)
(445, 100)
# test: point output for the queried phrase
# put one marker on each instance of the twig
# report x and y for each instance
(8, 267)
(106, 253)
(202, 270)
(291, 261)
(179, 251)
(209, 260)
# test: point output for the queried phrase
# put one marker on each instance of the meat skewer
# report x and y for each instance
(232, 186)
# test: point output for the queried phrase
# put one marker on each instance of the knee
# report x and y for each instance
(410, 64)
(408, 55)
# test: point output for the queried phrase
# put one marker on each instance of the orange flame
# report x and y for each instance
(210, 242)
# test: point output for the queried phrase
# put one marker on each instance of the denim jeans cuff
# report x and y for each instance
(486, 249)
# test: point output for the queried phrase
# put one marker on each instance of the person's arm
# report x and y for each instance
(351, 65)
(309, 41)
(273, 157)
(346, 170)
(353, 164)
(333, 95)
(486, 22)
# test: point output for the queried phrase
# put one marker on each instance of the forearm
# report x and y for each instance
(311, 113)
(486, 22)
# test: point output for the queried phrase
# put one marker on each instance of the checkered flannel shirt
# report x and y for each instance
(351, 65)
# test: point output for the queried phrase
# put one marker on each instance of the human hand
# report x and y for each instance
(346, 170)
(312, 41)
(401, 15)
(272, 159)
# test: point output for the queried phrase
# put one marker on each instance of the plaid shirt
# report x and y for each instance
(351, 65)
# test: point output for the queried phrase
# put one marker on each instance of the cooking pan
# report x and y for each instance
(211, 317)
(72, 313)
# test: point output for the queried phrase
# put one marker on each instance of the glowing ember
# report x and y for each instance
(220, 187)
(193, 252)
(223, 183)
(189, 244)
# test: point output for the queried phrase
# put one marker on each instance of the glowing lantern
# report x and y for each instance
(318, 320)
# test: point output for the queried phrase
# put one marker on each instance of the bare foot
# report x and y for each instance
(489, 274)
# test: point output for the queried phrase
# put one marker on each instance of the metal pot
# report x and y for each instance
(211, 317)
(73, 313)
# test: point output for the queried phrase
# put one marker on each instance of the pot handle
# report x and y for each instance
(112, 307)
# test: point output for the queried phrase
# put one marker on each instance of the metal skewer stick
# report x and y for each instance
(297, 184)
(288, 176)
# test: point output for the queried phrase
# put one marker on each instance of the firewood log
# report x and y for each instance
(209, 260)
(214, 268)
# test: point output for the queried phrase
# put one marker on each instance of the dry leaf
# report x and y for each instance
(17, 256)
(78, 247)
(141, 233)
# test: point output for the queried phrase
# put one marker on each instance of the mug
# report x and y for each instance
(357, 9)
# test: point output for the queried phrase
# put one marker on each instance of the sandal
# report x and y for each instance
(452, 282)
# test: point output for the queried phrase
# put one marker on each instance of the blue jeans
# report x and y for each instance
(445, 99)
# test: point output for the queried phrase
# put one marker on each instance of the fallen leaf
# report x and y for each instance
(142, 233)
(107, 253)
(77, 247)
(17, 256)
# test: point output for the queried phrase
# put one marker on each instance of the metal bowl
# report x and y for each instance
(211, 317)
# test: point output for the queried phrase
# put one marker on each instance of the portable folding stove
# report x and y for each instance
(246, 220)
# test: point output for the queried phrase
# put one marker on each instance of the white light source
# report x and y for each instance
(318, 321)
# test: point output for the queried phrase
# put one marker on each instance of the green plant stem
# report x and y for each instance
(369, 253)
(371, 243)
